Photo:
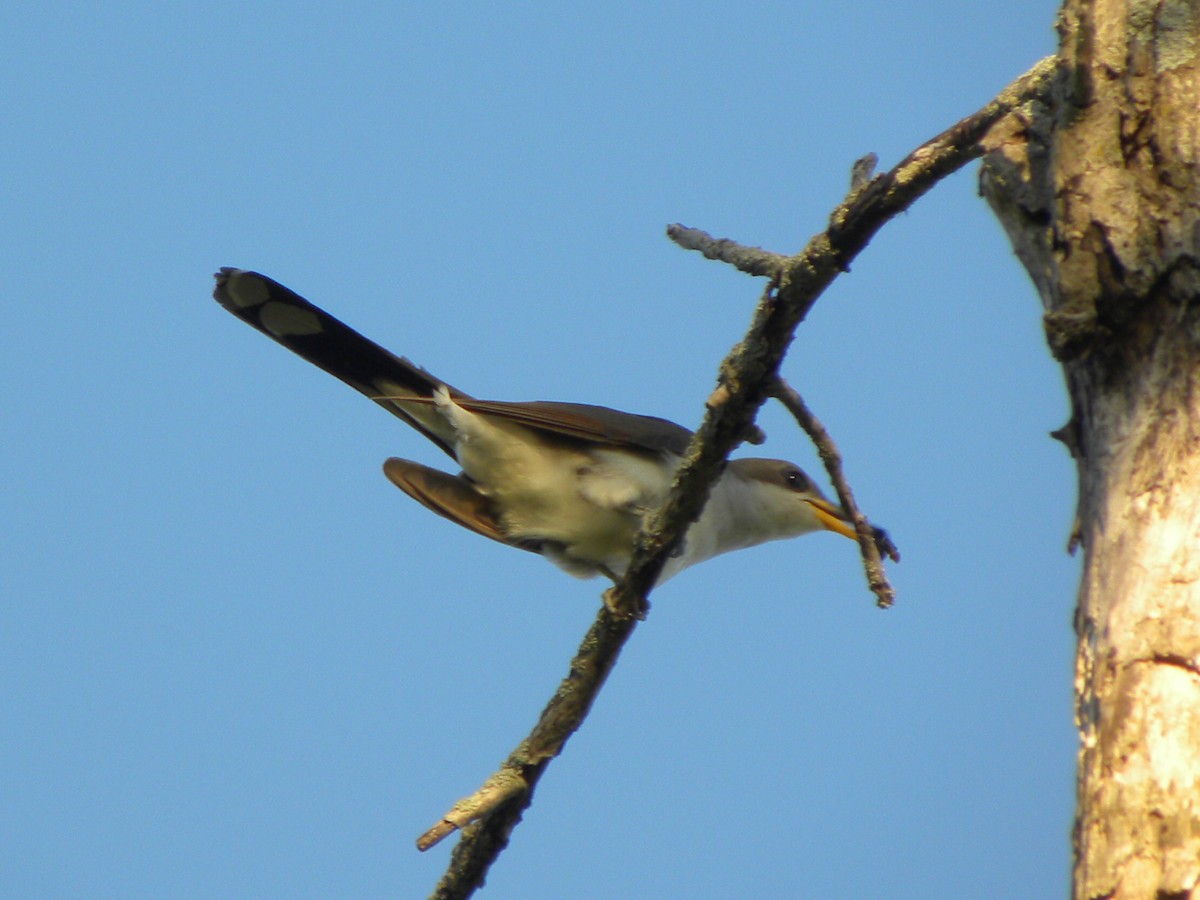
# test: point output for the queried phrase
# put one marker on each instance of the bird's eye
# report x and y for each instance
(796, 479)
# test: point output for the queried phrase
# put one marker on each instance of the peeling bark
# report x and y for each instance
(1099, 192)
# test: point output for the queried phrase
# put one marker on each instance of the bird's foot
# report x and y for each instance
(623, 611)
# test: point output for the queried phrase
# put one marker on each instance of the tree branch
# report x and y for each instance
(746, 377)
(751, 260)
(871, 540)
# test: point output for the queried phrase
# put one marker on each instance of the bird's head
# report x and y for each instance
(788, 503)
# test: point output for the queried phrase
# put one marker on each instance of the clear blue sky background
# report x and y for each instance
(238, 663)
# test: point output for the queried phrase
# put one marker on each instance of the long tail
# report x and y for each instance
(393, 382)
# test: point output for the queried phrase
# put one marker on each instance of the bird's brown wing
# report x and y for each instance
(453, 496)
(584, 422)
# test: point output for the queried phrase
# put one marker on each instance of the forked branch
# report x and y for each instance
(747, 377)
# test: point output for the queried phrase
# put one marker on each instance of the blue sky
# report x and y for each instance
(239, 663)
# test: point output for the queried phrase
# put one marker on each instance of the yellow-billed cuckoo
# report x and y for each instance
(570, 481)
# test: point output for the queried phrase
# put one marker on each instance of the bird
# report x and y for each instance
(570, 481)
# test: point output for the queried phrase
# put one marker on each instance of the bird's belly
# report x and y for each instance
(587, 505)
(584, 503)
(554, 504)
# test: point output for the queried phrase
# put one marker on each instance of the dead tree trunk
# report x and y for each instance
(1100, 195)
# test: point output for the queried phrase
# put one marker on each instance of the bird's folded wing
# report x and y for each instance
(453, 496)
(584, 422)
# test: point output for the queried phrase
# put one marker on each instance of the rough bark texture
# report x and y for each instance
(1098, 191)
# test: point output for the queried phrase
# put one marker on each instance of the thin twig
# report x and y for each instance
(863, 171)
(751, 260)
(871, 540)
(746, 376)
